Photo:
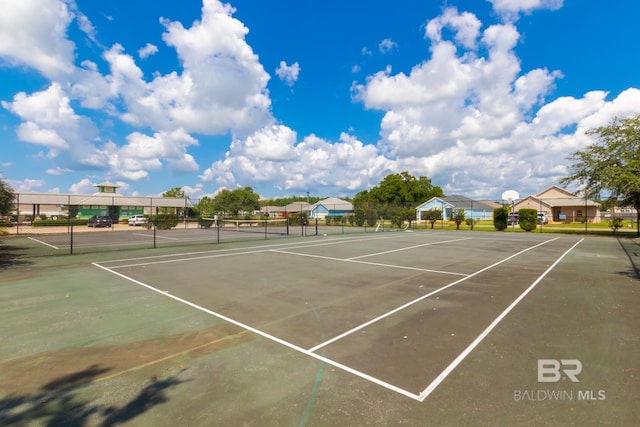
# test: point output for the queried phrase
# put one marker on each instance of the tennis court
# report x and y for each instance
(420, 328)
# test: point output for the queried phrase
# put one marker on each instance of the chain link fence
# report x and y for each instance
(159, 219)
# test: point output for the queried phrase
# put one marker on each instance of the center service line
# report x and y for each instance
(407, 248)
(427, 391)
(403, 267)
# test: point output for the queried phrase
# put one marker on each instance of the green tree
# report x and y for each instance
(6, 198)
(458, 217)
(528, 219)
(500, 216)
(372, 217)
(400, 188)
(235, 201)
(360, 215)
(175, 192)
(206, 207)
(611, 164)
(432, 215)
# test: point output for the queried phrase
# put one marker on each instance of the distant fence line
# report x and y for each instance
(32, 207)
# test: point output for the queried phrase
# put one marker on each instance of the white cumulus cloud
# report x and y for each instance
(33, 34)
(288, 73)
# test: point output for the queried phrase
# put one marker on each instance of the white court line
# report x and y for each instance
(350, 260)
(268, 336)
(157, 237)
(44, 243)
(427, 391)
(292, 246)
(410, 303)
(407, 248)
(216, 252)
(167, 261)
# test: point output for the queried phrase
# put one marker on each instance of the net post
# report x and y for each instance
(71, 240)
(265, 229)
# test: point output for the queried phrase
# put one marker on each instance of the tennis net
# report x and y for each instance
(264, 226)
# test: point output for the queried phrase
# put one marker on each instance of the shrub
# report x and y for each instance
(615, 223)
(458, 216)
(205, 222)
(298, 218)
(432, 215)
(166, 221)
(500, 216)
(528, 219)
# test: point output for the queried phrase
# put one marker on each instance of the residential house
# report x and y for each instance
(272, 211)
(561, 205)
(475, 209)
(331, 206)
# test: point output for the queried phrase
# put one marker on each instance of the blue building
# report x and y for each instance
(330, 207)
(473, 209)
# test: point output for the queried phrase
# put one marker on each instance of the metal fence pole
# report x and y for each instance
(153, 222)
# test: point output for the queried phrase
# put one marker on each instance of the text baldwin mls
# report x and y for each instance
(552, 371)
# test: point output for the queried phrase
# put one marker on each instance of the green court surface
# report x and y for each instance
(372, 329)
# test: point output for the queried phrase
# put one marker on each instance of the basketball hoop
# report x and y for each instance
(510, 195)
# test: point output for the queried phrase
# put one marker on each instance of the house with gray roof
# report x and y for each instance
(476, 209)
(331, 206)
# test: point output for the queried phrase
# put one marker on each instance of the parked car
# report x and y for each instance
(137, 220)
(513, 218)
(100, 221)
(542, 218)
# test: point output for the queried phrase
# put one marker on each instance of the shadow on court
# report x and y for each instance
(12, 256)
(631, 249)
(59, 403)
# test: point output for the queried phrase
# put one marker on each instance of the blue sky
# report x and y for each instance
(295, 96)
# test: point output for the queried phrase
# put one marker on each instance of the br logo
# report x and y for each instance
(551, 370)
